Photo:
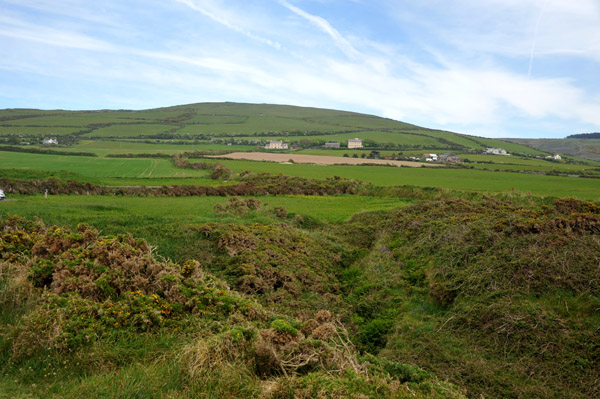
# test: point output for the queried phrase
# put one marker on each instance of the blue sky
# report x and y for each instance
(495, 68)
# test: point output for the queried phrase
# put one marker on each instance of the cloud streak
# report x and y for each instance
(342, 43)
(214, 15)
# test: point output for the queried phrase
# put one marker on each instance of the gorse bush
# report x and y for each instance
(83, 303)
(95, 284)
(492, 294)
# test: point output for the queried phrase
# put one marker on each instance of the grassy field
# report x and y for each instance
(98, 167)
(251, 122)
(131, 130)
(141, 171)
(159, 220)
(455, 179)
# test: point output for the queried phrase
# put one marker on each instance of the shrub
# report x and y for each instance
(283, 327)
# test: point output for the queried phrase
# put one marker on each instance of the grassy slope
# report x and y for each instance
(222, 119)
(499, 297)
(583, 148)
(115, 321)
(163, 221)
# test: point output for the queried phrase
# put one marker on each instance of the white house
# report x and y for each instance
(430, 157)
(496, 151)
(355, 143)
(276, 145)
(556, 157)
(50, 142)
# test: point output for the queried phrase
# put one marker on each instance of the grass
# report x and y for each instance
(454, 179)
(206, 340)
(98, 167)
(509, 146)
(251, 121)
(44, 131)
(103, 148)
(161, 220)
(139, 171)
(131, 130)
(495, 296)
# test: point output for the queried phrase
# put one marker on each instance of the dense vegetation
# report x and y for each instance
(100, 315)
(499, 296)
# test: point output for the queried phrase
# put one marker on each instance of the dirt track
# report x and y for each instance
(317, 159)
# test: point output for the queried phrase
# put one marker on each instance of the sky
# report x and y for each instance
(492, 68)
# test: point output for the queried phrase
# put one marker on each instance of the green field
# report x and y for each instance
(42, 131)
(98, 167)
(140, 171)
(454, 179)
(152, 218)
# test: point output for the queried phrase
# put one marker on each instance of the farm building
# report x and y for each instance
(449, 158)
(495, 151)
(355, 143)
(556, 157)
(50, 142)
(276, 145)
(332, 145)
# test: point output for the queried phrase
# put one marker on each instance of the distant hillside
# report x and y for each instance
(588, 148)
(585, 136)
(235, 123)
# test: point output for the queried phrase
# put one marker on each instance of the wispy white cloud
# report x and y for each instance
(18, 29)
(211, 11)
(341, 42)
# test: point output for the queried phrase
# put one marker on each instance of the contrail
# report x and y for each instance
(537, 26)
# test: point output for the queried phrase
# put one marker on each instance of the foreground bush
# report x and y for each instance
(84, 314)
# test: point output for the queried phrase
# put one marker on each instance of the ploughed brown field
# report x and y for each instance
(317, 159)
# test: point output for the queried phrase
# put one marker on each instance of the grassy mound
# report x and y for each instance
(90, 315)
(496, 297)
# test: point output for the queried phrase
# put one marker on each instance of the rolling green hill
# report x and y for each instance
(247, 123)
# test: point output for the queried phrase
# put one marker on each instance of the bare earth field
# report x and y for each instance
(316, 159)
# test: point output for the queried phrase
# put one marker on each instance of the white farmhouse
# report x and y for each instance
(496, 151)
(50, 142)
(355, 143)
(276, 145)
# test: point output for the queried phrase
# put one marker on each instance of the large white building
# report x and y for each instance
(276, 145)
(355, 143)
